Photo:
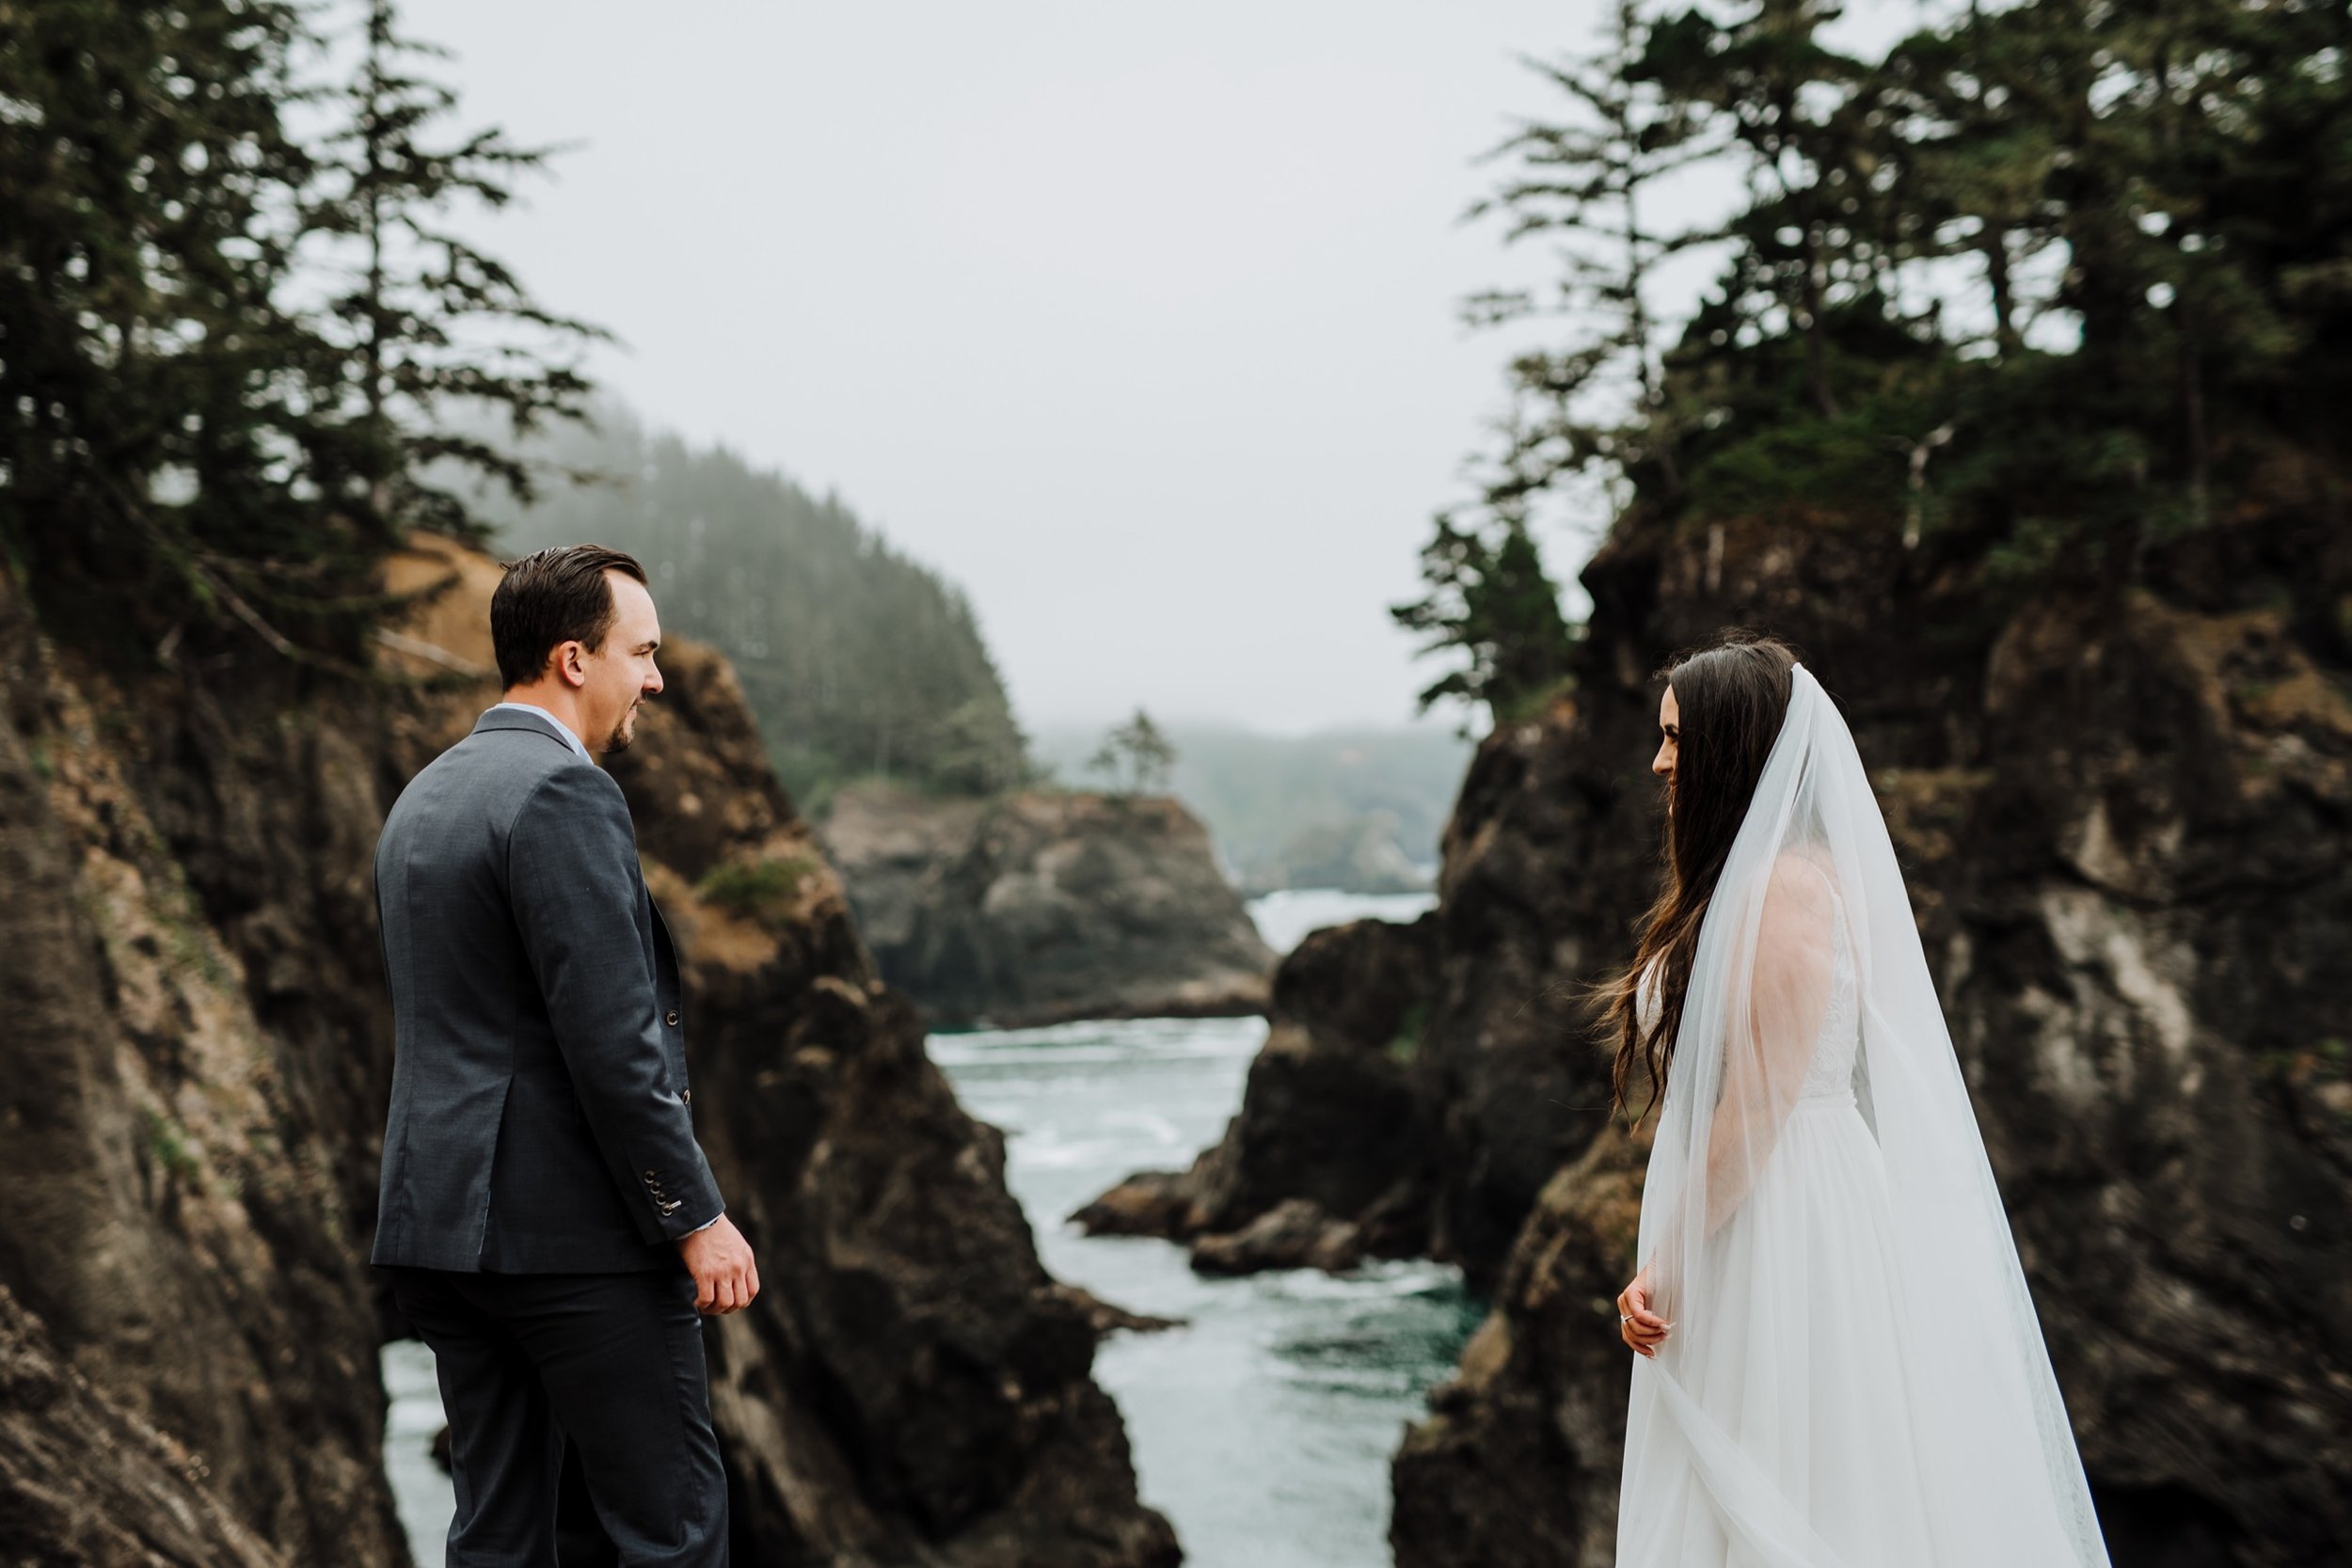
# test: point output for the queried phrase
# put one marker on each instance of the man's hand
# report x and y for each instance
(1640, 1327)
(726, 1278)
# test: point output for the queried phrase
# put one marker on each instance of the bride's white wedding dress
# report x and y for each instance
(1855, 1377)
(1798, 1366)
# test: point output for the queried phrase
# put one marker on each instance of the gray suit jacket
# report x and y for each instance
(540, 1119)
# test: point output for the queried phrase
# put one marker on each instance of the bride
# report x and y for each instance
(1838, 1365)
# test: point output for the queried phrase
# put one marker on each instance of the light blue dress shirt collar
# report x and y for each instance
(561, 728)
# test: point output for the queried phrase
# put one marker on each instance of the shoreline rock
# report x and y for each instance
(1329, 1160)
(1044, 907)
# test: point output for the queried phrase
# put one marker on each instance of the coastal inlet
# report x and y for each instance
(1263, 1425)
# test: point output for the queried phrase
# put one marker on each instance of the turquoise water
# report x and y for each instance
(1263, 1427)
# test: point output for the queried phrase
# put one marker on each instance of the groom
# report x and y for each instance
(548, 1222)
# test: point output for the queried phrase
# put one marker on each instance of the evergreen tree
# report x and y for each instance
(385, 186)
(1580, 183)
(1134, 758)
(1599, 403)
(1813, 237)
(2057, 288)
(174, 455)
(1489, 599)
(191, 453)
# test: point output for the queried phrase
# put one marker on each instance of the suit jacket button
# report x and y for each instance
(672, 1020)
(686, 1097)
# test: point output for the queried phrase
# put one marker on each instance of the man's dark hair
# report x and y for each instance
(556, 595)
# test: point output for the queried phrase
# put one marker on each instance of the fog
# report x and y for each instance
(1139, 324)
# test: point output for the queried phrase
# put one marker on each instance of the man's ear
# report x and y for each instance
(571, 663)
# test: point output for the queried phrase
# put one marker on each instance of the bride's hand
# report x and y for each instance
(1640, 1327)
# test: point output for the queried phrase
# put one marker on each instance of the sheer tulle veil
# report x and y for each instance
(2000, 1481)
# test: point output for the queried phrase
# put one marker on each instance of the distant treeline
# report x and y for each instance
(857, 661)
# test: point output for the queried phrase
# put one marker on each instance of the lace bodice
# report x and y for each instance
(1829, 1075)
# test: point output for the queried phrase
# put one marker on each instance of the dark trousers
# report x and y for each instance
(602, 1373)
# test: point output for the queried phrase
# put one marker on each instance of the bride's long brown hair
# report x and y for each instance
(1732, 695)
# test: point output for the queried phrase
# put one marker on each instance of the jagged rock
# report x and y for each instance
(2124, 820)
(1423, 1081)
(1540, 1394)
(84, 1483)
(1107, 1317)
(1329, 1160)
(173, 1137)
(1149, 1203)
(1295, 1233)
(195, 1085)
(1044, 907)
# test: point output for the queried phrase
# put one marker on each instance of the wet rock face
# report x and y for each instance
(1511, 1076)
(194, 1094)
(1040, 908)
(179, 1234)
(2124, 825)
(2150, 1013)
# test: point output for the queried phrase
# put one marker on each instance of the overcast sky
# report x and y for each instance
(1138, 322)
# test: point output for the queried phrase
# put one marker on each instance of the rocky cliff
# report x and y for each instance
(191, 1067)
(1043, 907)
(2124, 820)
(82, 1481)
(195, 1094)
(2124, 816)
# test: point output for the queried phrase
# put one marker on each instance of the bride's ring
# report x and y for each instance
(1624, 1317)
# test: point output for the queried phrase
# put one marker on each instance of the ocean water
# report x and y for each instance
(1263, 1426)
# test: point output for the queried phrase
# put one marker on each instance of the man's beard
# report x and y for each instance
(620, 738)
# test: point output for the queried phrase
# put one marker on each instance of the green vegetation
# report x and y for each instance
(167, 1144)
(2045, 292)
(410, 287)
(766, 891)
(228, 317)
(1135, 758)
(856, 660)
(1405, 1043)
(1490, 597)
